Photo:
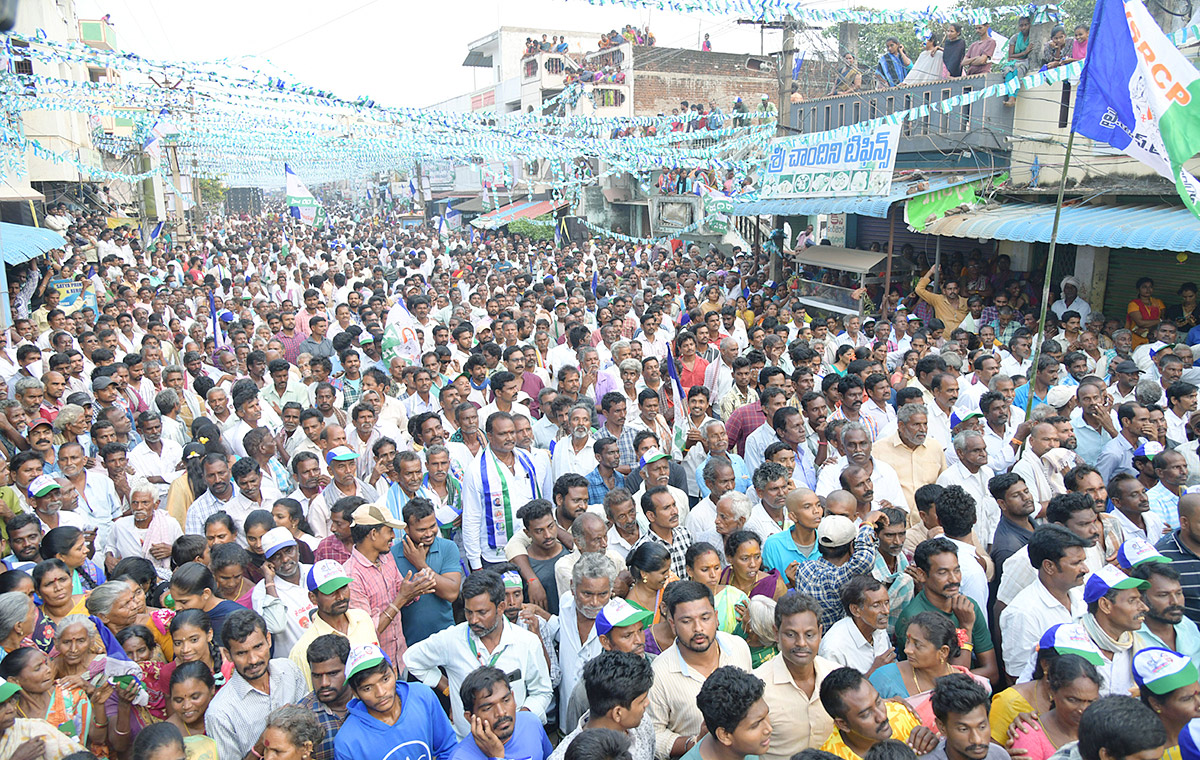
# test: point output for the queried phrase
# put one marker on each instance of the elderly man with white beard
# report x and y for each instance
(575, 454)
(592, 581)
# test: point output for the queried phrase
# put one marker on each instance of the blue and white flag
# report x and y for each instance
(154, 141)
(679, 420)
(1140, 94)
(158, 228)
(218, 340)
(797, 65)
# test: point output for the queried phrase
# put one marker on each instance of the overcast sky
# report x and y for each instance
(399, 52)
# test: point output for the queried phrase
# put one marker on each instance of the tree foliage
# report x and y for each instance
(212, 192)
(532, 231)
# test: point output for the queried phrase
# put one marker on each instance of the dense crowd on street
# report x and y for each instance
(363, 491)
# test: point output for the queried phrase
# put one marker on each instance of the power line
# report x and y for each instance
(318, 27)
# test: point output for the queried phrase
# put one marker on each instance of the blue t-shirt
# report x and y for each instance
(430, 613)
(528, 742)
(423, 731)
(780, 550)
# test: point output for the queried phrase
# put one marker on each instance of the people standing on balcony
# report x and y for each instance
(954, 49)
(1055, 51)
(929, 66)
(1018, 56)
(978, 59)
(848, 79)
(894, 64)
(706, 46)
(1079, 44)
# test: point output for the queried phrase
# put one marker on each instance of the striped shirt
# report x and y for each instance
(1187, 563)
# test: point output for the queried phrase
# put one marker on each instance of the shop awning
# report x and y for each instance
(876, 206)
(515, 211)
(20, 243)
(1155, 228)
(468, 205)
(843, 259)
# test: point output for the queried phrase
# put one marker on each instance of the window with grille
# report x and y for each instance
(20, 62)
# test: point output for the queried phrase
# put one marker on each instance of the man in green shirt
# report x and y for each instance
(936, 560)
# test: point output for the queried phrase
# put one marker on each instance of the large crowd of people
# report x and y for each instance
(370, 492)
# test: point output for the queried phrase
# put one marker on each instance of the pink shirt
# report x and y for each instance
(375, 586)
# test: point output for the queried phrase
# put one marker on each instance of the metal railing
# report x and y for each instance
(985, 123)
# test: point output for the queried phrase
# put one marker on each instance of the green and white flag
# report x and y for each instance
(301, 203)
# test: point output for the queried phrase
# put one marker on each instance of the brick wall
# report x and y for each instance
(664, 76)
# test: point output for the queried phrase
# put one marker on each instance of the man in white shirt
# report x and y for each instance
(945, 395)
(490, 501)
(486, 638)
(771, 399)
(1032, 466)
(860, 640)
(972, 473)
(575, 454)
(858, 452)
(877, 407)
(155, 458)
(1133, 511)
(282, 596)
(1055, 597)
(1181, 404)
(591, 587)
(956, 514)
(971, 387)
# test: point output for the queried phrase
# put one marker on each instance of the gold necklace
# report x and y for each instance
(917, 681)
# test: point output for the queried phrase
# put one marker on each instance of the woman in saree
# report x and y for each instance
(931, 641)
(192, 689)
(69, 544)
(1143, 313)
(65, 707)
(743, 551)
(1074, 684)
(704, 565)
(52, 582)
(1033, 696)
(76, 645)
(29, 738)
(650, 567)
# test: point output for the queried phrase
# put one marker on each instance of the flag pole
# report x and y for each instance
(1062, 185)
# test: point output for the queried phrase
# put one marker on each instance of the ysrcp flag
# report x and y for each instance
(1139, 94)
(300, 201)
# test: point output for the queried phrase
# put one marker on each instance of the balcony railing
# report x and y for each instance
(986, 123)
(546, 70)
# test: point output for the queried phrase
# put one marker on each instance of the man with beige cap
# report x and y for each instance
(377, 585)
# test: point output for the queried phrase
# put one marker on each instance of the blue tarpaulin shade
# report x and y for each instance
(1151, 227)
(20, 243)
